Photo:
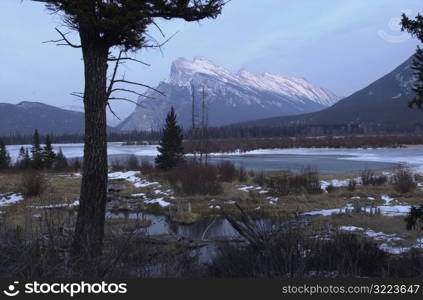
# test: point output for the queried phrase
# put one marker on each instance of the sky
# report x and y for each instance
(339, 45)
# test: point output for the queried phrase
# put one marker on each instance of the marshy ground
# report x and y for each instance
(374, 210)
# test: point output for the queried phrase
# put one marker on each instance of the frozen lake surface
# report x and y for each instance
(325, 160)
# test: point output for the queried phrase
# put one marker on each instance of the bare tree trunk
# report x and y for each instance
(89, 231)
(193, 125)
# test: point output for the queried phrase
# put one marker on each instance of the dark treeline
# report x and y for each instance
(310, 130)
(249, 144)
(37, 157)
(134, 136)
(234, 132)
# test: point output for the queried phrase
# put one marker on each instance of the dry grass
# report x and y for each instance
(188, 209)
(377, 223)
(59, 190)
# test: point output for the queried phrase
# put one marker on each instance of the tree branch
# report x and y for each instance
(63, 35)
(161, 44)
(140, 84)
(129, 58)
(111, 110)
(112, 80)
(133, 92)
(77, 94)
(125, 99)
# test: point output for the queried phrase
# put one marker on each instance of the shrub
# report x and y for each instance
(227, 171)
(32, 184)
(414, 219)
(195, 179)
(280, 184)
(146, 166)
(352, 184)
(289, 183)
(331, 188)
(311, 180)
(291, 253)
(27, 254)
(403, 180)
(133, 163)
(259, 178)
(242, 174)
(348, 254)
(75, 164)
(116, 165)
(380, 180)
(60, 162)
(368, 177)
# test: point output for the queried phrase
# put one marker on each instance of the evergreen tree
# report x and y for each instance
(415, 28)
(418, 85)
(60, 161)
(21, 154)
(4, 156)
(170, 146)
(24, 161)
(37, 158)
(104, 26)
(48, 154)
(27, 159)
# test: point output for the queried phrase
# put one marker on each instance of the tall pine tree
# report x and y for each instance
(48, 155)
(24, 161)
(60, 161)
(415, 28)
(418, 85)
(4, 156)
(105, 26)
(36, 159)
(170, 146)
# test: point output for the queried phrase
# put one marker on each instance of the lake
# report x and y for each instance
(327, 161)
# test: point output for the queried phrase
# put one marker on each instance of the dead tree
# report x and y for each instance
(193, 123)
(204, 139)
(246, 227)
(103, 25)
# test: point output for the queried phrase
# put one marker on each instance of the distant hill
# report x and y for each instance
(229, 97)
(382, 103)
(26, 116)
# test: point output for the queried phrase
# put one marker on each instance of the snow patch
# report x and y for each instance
(247, 188)
(60, 205)
(159, 201)
(387, 199)
(132, 177)
(10, 199)
(350, 228)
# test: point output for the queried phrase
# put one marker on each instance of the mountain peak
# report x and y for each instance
(184, 71)
(30, 104)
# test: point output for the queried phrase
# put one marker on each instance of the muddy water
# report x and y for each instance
(213, 229)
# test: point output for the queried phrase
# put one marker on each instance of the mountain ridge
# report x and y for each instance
(229, 96)
(383, 102)
(26, 116)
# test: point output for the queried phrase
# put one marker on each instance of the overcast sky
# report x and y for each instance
(340, 45)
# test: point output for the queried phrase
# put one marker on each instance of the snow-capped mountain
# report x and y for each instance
(229, 97)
